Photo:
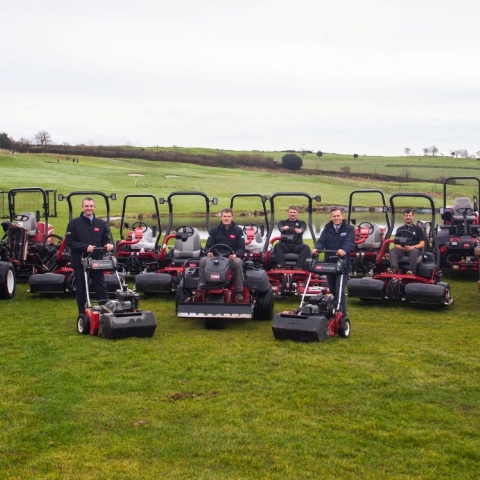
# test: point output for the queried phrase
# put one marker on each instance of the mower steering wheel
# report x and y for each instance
(368, 225)
(142, 225)
(221, 250)
(248, 226)
(20, 218)
(46, 242)
(465, 211)
(185, 229)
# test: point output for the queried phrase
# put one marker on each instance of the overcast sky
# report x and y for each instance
(346, 76)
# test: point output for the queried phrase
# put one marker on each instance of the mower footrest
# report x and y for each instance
(125, 325)
(300, 328)
(366, 287)
(214, 310)
(47, 283)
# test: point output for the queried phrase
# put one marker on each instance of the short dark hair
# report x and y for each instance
(88, 199)
(333, 209)
(409, 210)
(293, 207)
(226, 210)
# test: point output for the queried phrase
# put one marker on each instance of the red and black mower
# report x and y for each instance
(459, 235)
(29, 245)
(321, 317)
(114, 319)
(186, 246)
(425, 285)
(137, 251)
(216, 302)
(60, 278)
(369, 236)
(290, 281)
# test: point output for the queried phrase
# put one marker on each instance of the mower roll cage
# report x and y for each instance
(452, 179)
(169, 201)
(432, 231)
(310, 200)
(38, 215)
(263, 200)
(89, 193)
(157, 213)
(352, 221)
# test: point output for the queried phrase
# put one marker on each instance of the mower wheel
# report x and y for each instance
(181, 296)
(83, 324)
(264, 307)
(7, 281)
(344, 328)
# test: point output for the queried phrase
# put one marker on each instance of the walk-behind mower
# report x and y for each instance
(459, 234)
(369, 236)
(423, 286)
(114, 319)
(137, 250)
(290, 281)
(59, 277)
(172, 258)
(216, 301)
(321, 317)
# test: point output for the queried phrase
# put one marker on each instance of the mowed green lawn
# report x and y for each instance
(398, 399)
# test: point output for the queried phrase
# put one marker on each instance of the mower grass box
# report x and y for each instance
(300, 328)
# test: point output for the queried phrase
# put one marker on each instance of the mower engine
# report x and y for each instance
(320, 305)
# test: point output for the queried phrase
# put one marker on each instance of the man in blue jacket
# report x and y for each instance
(229, 234)
(84, 233)
(339, 237)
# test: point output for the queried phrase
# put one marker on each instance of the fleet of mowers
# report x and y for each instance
(30, 249)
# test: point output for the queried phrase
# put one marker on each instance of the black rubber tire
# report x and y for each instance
(264, 307)
(180, 297)
(83, 324)
(344, 328)
(7, 281)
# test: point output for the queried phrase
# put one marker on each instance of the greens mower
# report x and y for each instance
(114, 319)
(322, 317)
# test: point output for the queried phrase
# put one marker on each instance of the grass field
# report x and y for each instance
(398, 399)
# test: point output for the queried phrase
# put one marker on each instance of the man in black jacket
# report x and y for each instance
(228, 234)
(292, 231)
(84, 233)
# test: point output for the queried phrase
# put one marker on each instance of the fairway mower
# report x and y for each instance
(423, 286)
(185, 246)
(137, 250)
(114, 319)
(290, 281)
(216, 301)
(459, 235)
(322, 316)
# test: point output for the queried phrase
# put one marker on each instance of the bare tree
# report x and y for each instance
(433, 150)
(463, 152)
(425, 150)
(477, 154)
(407, 151)
(43, 138)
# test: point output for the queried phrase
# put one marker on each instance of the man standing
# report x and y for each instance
(409, 241)
(292, 231)
(84, 233)
(229, 234)
(339, 237)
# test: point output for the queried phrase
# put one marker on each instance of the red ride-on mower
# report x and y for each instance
(216, 302)
(115, 319)
(137, 250)
(369, 236)
(425, 286)
(61, 279)
(321, 317)
(459, 235)
(186, 246)
(289, 281)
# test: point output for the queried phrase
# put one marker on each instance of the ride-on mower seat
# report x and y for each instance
(256, 245)
(461, 204)
(147, 242)
(30, 224)
(374, 240)
(189, 248)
